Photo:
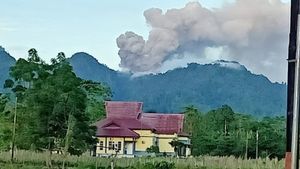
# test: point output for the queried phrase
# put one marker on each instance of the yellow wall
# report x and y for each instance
(145, 141)
(144, 132)
(129, 139)
(164, 142)
(98, 151)
(148, 138)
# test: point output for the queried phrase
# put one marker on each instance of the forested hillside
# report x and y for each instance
(53, 101)
(205, 86)
(222, 132)
(6, 61)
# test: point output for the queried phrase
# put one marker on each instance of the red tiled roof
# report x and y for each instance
(124, 117)
(116, 127)
(123, 109)
(126, 122)
(113, 128)
(121, 132)
(164, 123)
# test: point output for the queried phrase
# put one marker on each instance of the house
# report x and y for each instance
(128, 132)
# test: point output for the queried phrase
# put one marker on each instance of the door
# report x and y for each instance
(128, 148)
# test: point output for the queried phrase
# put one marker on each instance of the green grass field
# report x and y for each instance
(32, 160)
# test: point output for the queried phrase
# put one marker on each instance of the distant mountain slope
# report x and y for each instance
(87, 67)
(6, 61)
(205, 86)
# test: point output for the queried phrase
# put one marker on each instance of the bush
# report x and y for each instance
(160, 165)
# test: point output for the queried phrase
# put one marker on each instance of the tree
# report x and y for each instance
(96, 94)
(222, 118)
(56, 101)
(222, 132)
(3, 102)
(5, 130)
(192, 118)
(153, 149)
(272, 137)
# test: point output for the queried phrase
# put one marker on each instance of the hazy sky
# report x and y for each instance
(73, 26)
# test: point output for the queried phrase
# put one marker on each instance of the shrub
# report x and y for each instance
(160, 165)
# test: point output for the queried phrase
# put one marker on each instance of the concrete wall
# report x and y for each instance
(164, 142)
(146, 140)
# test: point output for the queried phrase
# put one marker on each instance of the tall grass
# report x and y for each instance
(203, 162)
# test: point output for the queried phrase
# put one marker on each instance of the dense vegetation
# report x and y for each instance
(54, 108)
(205, 86)
(221, 132)
(6, 61)
(215, 86)
(31, 160)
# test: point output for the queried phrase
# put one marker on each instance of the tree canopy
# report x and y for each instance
(55, 107)
(55, 110)
(222, 132)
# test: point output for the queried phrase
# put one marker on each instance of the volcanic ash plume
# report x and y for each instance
(253, 32)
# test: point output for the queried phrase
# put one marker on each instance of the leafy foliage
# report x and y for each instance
(153, 149)
(221, 132)
(52, 105)
(6, 61)
(5, 134)
(207, 86)
(3, 102)
(176, 144)
(55, 107)
(96, 94)
(160, 165)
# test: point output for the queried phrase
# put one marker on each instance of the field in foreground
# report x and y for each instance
(32, 160)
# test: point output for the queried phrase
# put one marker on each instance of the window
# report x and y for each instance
(119, 145)
(143, 142)
(101, 145)
(110, 145)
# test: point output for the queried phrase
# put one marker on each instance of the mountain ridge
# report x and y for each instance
(216, 84)
(205, 86)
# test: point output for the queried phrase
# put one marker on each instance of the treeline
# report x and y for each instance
(222, 132)
(205, 86)
(46, 107)
(54, 110)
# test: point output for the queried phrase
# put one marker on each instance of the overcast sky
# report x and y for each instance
(91, 26)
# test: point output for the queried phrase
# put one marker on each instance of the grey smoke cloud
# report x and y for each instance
(253, 32)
